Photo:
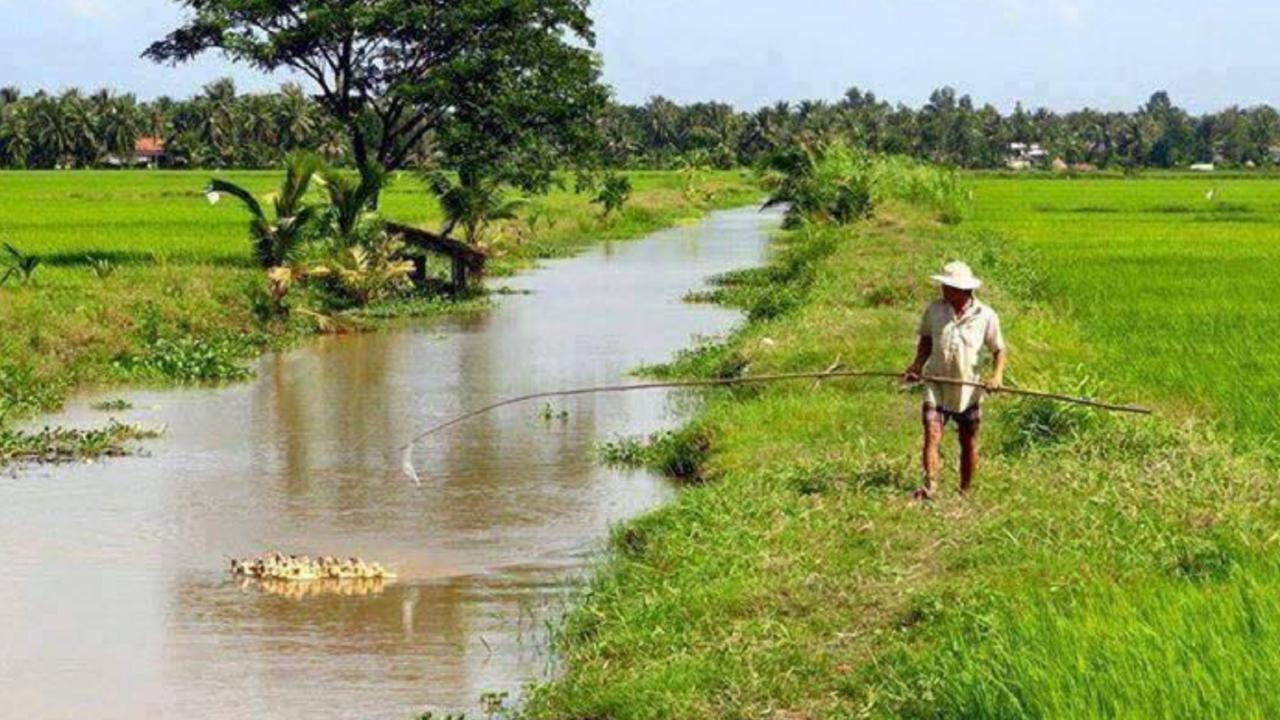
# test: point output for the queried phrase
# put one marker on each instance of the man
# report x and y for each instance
(953, 332)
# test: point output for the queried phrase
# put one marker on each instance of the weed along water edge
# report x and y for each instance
(119, 603)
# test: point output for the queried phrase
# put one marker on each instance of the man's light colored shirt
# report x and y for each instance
(957, 351)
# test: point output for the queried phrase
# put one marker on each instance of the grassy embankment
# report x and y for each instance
(1106, 567)
(181, 299)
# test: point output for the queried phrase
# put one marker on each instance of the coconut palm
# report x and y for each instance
(295, 117)
(63, 130)
(15, 135)
(351, 199)
(216, 118)
(275, 240)
(119, 125)
(472, 201)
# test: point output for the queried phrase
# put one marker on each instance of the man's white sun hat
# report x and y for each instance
(959, 276)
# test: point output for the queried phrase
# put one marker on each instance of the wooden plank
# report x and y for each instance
(466, 262)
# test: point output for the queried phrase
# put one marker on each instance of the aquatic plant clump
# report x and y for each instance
(301, 568)
(59, 444)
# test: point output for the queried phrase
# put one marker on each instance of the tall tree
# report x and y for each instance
(393, 72)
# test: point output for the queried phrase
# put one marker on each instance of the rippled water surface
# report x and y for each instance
(115, 601)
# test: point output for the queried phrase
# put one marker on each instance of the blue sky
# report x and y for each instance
(1057, 53)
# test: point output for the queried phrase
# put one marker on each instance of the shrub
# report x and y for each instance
(102, 267)
(822, 182)
(831, 182)
(939, 189)
(614, 193)
(367, 272)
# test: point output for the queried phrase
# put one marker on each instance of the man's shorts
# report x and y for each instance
(969, 419)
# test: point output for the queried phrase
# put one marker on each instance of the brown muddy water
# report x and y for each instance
(115, 600)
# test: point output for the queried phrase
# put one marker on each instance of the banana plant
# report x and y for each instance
(21, 265)
(274, 240)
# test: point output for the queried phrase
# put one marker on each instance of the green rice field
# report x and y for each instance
(1172, 281)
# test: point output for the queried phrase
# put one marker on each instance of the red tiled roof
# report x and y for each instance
(149, 146)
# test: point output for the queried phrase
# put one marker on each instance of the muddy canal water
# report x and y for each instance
(115, 601)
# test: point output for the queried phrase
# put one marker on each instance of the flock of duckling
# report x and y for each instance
(314, 588)
(278, 566)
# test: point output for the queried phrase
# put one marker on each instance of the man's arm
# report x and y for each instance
(999, 355)
(924, 348)
(1001, 358)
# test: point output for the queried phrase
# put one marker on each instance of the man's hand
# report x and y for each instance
(995, 384)
(913, 373)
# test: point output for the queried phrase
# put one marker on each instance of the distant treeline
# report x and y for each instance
(949, 129)
(217, 128)
(222, 128)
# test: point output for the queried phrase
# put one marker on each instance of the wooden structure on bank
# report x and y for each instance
(467, 263)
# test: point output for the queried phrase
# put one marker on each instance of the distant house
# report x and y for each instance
(149, 151)
(1023, 156)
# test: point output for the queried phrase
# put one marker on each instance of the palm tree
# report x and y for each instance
(295, 117)
(351, 199)
(15, 137)
(473, 201)
(63, 130)
(217, 118)
(119, 125)
(664, 128)
(159, 117)
(259, 142)
(274, 242)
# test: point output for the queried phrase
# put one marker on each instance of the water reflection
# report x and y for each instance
(118, 604)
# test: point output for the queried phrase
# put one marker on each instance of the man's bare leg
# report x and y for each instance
(968, 454)
(931, 457)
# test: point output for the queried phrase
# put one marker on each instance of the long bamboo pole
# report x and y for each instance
(759, 379)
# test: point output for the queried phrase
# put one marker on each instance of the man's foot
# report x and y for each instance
(923, 494)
